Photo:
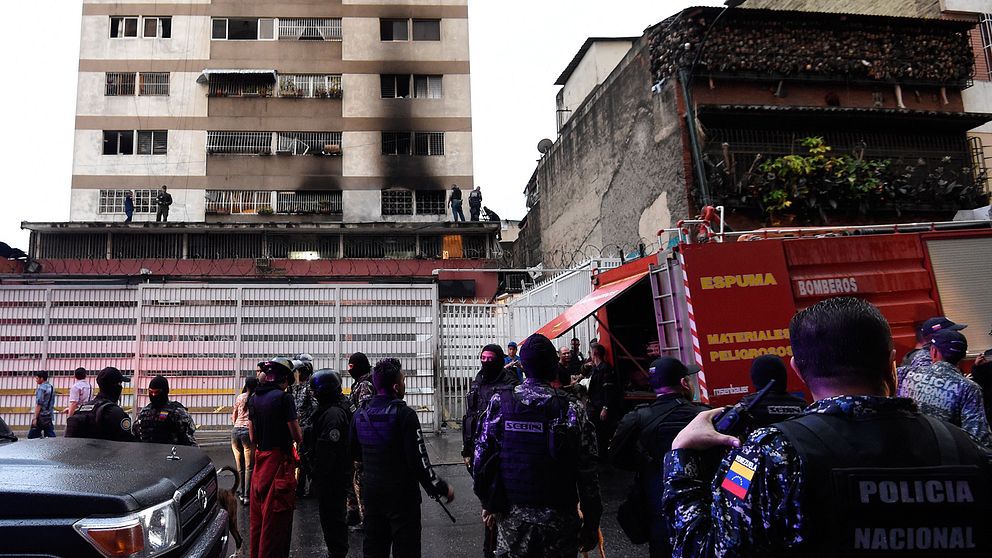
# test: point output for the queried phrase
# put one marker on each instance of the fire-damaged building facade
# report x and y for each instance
(782, 117)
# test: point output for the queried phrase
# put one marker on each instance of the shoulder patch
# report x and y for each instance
(334, 435)
(126, 424)
(738, 479)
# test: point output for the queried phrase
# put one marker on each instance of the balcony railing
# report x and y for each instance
(324, 203)
(310, 86)
(309, 29)
(226, 202)
(308, 143)
(240, 143)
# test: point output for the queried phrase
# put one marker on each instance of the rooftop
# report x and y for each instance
(563, 78)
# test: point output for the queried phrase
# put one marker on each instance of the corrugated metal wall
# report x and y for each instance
(961, 266)
(207, 338)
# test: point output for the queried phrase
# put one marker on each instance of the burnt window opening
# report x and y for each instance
(307, 203)
(428, 143)
(118, 142)
(431, 202)
(396, 143)
(395, 86)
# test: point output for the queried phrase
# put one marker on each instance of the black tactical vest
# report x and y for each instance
(85, 422)
(890, 485)
(384, 466)
(539, 452)
(159, 425)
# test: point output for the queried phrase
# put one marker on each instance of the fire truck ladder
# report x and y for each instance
(666, 316)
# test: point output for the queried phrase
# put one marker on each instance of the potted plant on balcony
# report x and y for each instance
(266, 211)
(320, 92)
(289, 89)
(335, 93)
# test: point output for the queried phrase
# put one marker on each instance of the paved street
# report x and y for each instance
(442, 539)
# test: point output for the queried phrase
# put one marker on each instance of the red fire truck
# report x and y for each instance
(724, 302)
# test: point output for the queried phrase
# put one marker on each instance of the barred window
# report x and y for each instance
(428, 143)
(243, 143)
(396, 143)
(309, 143)
(112, 201)
(397, 202)
(427, 87)
(309, 29)
(154, 84)
(223, 202)
(153, 142)
(311, 86)
(119, 84)
(431, 202)
(328, 203)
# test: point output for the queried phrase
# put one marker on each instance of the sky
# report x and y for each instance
(518, 50)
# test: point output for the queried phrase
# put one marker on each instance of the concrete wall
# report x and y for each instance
(186, 156)
(978, 98)
(595, 67)
(190, 40)
(966, 6)
(187, 206)
(615, 175)
(363, 98)
(363, 157)
(186, 98)
(362, 42)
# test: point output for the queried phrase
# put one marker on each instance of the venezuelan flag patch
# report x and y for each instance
(738, 478)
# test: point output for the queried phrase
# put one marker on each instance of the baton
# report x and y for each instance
(445, 508)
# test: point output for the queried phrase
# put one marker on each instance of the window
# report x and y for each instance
(154, 84)
(119, 84)
(424, 143)
(153, 142)
(427, 87)
(243, 29)
(326, 203)
(240, 143)
(309, 29)
(396, 143)
(317, 86)
(118, 142)
(431, 202)
(428, 143)
(395, 86)
(222, 202)
(157, 27)
(394, 30)
(112, 201)
(121, 27)
(397, 202)
(985, 26)
(309, 143)
(427, 30)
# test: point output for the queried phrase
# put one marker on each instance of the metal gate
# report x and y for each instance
(960, 267)
(207, 338)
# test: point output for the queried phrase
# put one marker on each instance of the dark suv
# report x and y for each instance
(83, 498)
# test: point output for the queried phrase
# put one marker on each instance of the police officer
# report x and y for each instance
(778, 404)
(493, 377)
(920, 355)
(386, 438)
(362, 392)
(535, 464)
(641, 441)
(305, 406)
(858, 473)
(102, 417)
(274, 429)
(327, 441)
(163, 421)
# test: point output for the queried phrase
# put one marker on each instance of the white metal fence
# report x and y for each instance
(309, 29)
(207, 338)
(310, 85)
(241, 143)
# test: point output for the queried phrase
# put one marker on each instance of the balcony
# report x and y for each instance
(301, 206)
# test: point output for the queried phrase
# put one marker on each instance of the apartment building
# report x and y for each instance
(348, 111)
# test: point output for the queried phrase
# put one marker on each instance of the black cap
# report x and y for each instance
(951, 344)
(539, 357)
(667, 372)
(109, 376)
(766, 368)
(940, 323)
(159, 382)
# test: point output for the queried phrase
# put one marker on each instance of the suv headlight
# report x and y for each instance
(143, 534)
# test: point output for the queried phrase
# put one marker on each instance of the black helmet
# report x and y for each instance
(325, 384)
(304, 364)
(278, 366)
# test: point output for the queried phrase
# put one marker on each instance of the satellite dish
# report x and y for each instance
(545, 145)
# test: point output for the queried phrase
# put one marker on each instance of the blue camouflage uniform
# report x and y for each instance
(941, 390)
(554, 530)
(762, 513)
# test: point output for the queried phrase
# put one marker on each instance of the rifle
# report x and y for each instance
(733, 419)
(437, 499)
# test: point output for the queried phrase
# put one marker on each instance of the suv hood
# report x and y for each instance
(79, 477)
